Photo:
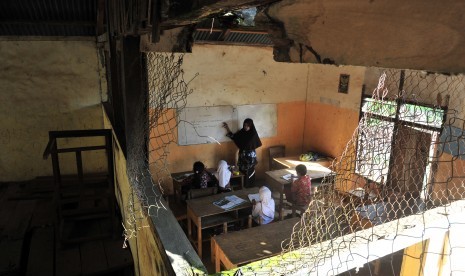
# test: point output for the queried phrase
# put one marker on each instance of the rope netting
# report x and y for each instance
(399, 180)
(167, 93)
(404, 161)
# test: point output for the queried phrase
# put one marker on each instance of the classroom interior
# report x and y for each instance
(70, 75)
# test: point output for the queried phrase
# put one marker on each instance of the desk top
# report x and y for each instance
(276, 175)
(256, 243)
(180, 176)
(292, 161)
(204, 206)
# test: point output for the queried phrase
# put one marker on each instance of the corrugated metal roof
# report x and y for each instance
(231, 36)
(48, 17)
(250, 38)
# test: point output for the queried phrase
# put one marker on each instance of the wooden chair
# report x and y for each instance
(276, 151)
(250, 221)
(221, 190)
(178, 209)
(196, 193)
(300, 208)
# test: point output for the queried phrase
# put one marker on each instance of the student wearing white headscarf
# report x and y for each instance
(224, 175)
(263, 209)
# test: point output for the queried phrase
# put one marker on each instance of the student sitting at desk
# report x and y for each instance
(263, 211)
(223, 174)
(301, 189)
(200, 179)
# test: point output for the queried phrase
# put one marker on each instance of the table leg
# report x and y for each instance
(199, 237)
(212, 250)
(281, 203)
(177, 196)
(217, 259)
(189, 226)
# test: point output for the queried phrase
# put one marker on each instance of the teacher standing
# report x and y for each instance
(247, 141)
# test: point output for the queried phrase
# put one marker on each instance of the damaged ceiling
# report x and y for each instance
(418, 34)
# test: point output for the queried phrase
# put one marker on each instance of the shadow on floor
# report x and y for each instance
(28, 237)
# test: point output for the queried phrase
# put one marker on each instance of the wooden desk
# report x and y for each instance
(180, 176)
(204, 214)
(277, 183)
(292, 161)
(249, 245)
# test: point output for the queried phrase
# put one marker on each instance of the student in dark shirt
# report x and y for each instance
(201, 178)
(247, 141)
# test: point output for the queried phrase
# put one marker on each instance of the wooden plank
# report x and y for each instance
(82, 230)
(117, 256)
(10, 257)
(413, 261)
(44, 214)
(292, 161)
(253, 244)
(68, 261)
(33, 189)
(20, 219)
(93, 257)
(78, 149)
(41, 253)
(6, 213)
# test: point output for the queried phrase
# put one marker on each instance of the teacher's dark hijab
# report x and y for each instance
(247, 140)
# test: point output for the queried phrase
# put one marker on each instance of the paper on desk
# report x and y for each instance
(287, 177)
(254, 196)
(229, 202)
(182, 177)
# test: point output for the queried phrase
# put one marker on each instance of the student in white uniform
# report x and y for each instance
(223, 174)
(263, 211)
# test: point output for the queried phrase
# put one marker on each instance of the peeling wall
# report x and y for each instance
(422, 35)
(332, 117)
(232, 75)
(46, 85)
(311, 113)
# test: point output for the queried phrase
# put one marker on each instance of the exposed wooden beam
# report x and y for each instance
(100, 17)
(156, 18)
(50, 22)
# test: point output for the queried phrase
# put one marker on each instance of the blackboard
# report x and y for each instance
(203, 125)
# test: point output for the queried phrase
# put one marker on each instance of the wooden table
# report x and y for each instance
(277, 183)
(204, 214)
(180, 176)
(292, 161)
(249, 245)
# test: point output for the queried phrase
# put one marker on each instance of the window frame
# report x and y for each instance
(397, 121)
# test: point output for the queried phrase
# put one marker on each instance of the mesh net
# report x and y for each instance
(399, 180)
(167, 93)
(403, 162)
